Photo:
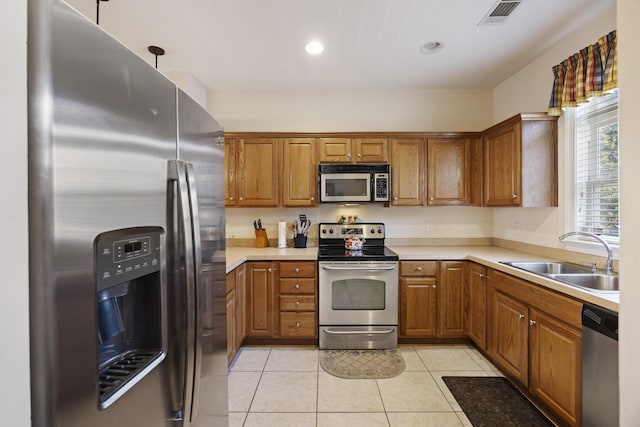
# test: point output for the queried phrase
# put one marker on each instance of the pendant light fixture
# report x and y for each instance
(157, 51)
(98, 11)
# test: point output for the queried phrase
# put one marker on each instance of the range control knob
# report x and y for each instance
(324, 231)
(331, 231)
(379, 230)
(373, 231)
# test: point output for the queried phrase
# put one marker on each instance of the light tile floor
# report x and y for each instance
(285, 386)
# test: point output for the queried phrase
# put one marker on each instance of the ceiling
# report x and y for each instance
(238, 45)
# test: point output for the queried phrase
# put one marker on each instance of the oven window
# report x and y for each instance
(346, 187)
(358, 294)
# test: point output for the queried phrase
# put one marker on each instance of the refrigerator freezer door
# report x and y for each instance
(201, 145)
(102, 127)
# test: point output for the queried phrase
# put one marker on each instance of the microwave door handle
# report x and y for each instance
(177, 172)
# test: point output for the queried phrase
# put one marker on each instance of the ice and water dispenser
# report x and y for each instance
(130, 328)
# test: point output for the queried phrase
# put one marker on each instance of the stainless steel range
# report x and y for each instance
(358, 289)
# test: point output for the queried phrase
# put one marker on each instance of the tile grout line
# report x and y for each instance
(256, 390)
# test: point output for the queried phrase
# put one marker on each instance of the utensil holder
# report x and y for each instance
(261, 239)
(300, 241)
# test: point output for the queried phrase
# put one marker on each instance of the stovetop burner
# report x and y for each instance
(332, 239)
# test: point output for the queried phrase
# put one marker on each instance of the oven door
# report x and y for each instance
(345, 187)
(358, 293)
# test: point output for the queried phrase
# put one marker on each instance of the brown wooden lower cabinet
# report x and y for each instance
(417, 307)
(241, 304)
(530, 342)
(231, 325)
(476, 304)
(452, 281)
(262, 291)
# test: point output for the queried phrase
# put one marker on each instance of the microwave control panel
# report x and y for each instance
(381, 185)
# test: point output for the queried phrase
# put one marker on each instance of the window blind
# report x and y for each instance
(596, 168)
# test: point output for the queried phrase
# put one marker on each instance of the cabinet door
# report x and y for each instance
(335, 150)
(448, 171)
(371, 150)
(452, 281)
(299, 172)
(231, 326)
(257, 173)
(241, 304)
(477, 305)
(417, 307)
(556, 365)
(407, 171)
(261, 285)
(230, 197)
(503, 170)
(511, 336)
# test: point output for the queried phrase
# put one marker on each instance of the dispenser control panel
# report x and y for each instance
(123, 255)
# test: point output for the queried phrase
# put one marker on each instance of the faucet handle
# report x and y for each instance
(594, 265)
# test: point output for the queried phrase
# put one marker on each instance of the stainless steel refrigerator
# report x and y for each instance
(126, 223)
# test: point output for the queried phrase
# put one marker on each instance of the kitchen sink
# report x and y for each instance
(570, 274)
(549, 267)
(592, 281)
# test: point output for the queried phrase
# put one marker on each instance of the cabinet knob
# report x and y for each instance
(419, 268)
(481, 276)
(520, 316)
(313, 198)
(269, 270)
(349, 155)
(532, 322)
(359, 155)
(433, 286)
(431, 198)
(297, 270)
(297, 285)
(395, 198)
(297, 324)
(241, 198)
(515, 196)
(231, 198)
(297, 302)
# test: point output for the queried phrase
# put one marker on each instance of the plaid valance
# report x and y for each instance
(590, 72)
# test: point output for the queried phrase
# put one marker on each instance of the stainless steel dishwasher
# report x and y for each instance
(600, 396)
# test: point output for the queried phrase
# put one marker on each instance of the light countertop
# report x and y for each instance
(489, 256)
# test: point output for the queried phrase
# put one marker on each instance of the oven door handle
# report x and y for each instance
(387, 268)
(383, 331)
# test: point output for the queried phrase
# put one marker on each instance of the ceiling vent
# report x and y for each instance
(500, 12)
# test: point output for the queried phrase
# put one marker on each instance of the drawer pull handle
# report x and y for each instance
(521, 316)
(297, 302)
(297, 324)
(297, 270)
(419, 268)
(297, 285)
(532, 322)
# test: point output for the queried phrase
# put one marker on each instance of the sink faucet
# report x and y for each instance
(593, 236)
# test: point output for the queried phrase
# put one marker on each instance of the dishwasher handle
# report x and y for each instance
(600, 320)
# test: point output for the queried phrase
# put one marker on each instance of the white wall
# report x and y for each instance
(353, 110)
(529, 90)
(629, 64)
(14, 255)
(190, 85)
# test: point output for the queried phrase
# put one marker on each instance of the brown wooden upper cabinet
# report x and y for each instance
(521, 162)
(407, 171)
(257, 172)
(450, 168)
(299, 172)
(354, 150)
(230, 165)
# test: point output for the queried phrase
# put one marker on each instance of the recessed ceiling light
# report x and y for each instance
(314, 47)
(432, 47)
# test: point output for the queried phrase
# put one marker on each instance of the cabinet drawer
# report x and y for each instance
(298, 325)
(418, 268)
(297, 303)
(298, 269)
(298, 286)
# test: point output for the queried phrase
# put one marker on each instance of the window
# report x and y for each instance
(596, 167)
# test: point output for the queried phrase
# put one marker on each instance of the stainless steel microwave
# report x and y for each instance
(354, 183)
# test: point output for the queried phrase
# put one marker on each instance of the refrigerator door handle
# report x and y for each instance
(177, 171)
(200, 304)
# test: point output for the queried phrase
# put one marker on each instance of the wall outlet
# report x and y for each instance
(429, 226)
(516, 227)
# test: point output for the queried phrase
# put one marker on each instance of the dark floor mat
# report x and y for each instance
(493, 401)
